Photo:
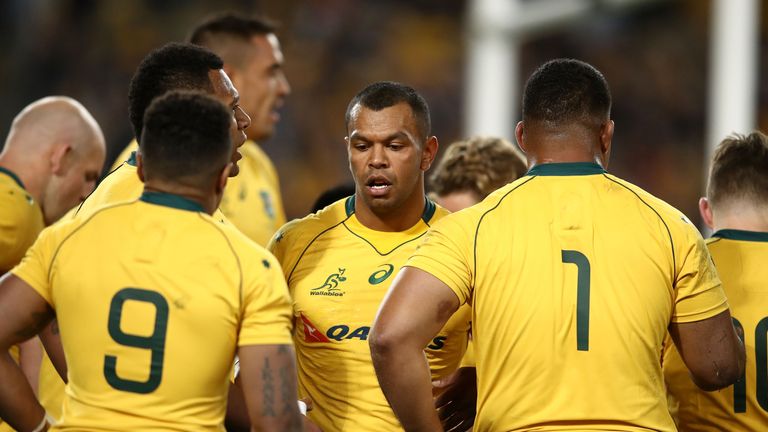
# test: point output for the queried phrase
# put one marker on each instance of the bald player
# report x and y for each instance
(154, 297)
(736, 209)
(253, 61)
(574, 277)
(50, 162)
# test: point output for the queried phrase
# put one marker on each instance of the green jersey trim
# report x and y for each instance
(13, 176)
(734, 234)
(566, 169)
(171, 200)
(131, 159)
(429, 208)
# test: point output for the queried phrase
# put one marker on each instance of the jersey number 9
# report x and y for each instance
(154, 342)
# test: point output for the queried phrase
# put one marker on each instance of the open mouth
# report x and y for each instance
(378, 186)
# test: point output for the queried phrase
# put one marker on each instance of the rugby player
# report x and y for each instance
(50, 162)
(253, 61)
(339, 261)
(154, 297)
(573, 275)
(736, 208)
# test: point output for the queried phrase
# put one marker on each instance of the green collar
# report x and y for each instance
(734, 234)
(429, 208)
(171, 200)
(12, 175)
(131, 159)
(566, 169)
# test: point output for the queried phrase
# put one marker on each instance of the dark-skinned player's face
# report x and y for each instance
(226, 93)
(386, 156)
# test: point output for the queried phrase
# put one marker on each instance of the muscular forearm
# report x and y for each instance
(404, 377)
(18, 405)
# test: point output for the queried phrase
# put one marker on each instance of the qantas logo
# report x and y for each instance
(311, 333)
(343, 332)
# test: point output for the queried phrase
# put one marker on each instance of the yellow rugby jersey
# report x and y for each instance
(740, 258)
(573, 276)
(153, 297)
(21, 220)
(121, 184)
(252, 200)
(338, 271)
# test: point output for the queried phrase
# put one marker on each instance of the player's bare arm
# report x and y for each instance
(711, 350)
(268, 374)
(52, 344)
(24, 314)
(407, 320)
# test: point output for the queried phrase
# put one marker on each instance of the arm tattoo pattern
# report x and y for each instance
(268, 391)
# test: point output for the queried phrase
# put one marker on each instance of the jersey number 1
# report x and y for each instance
(154, 342)
(582, 296)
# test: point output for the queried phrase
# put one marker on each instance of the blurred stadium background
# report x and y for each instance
(655, 54)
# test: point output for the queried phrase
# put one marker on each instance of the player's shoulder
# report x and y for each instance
(671, 216)
(305, 229)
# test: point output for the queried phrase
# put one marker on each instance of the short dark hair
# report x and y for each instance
(479, 165)
(566, 91)
(740, 170)
(186, 138)
(175, 66)
(384, 94)
(232, 24)
(222, 32)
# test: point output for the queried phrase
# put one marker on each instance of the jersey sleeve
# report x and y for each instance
(698, 291)
(282, 246)
(266, 317)
(36, 264)
(446, 253)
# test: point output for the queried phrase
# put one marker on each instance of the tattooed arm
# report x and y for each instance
(268, 374)
(24, 314)
(52, 344)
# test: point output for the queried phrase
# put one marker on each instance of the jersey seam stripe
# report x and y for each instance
(669, 233)
(479, 222)
(87, 220)
(94, 189)
(374, 247)
(237, 259)
(298, 260)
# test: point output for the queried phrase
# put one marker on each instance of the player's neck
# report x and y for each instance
(564, 148)
(745, 218)
(207, 201)
(26, 172)
(391, 220)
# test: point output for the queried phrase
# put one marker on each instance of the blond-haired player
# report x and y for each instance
(736, 208)
(573, 276)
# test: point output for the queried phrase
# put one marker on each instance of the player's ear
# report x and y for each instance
(140, 166)
(429, 152)
(519, 133)
(705, 209)
(606, 137)
(60, 156)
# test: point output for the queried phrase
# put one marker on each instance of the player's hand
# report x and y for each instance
(456, 399)
(308, 425)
